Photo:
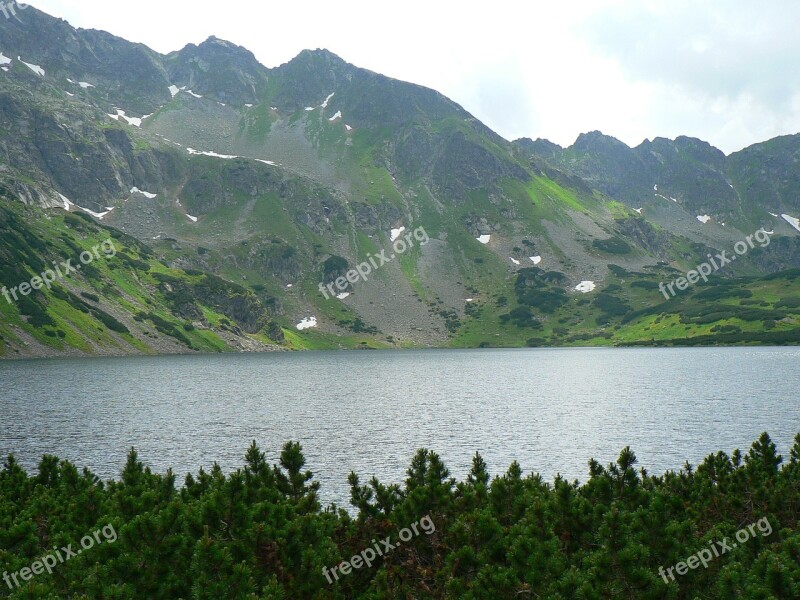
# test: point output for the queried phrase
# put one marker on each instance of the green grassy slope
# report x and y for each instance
(120, 299)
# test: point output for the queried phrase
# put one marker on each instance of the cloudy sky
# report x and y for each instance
(727, 71)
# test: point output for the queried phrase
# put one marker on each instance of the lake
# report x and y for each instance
(549, 409)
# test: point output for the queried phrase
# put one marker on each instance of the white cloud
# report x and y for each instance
(635, 69)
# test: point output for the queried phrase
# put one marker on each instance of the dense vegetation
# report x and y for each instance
(260, 532)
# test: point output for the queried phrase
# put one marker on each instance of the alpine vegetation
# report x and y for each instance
(60, 270)
(716, 549)
(715, 263)
(379, 549)
(58, 556)
(261, 531)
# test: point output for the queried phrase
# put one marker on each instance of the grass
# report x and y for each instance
(128, 283)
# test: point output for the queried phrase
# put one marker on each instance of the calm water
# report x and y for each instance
(549, 409)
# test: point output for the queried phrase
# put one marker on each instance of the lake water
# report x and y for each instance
(549, 409)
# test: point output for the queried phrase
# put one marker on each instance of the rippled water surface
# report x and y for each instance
(549, 409)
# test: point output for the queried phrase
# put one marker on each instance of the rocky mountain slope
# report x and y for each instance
(280, 182)
(747, 190)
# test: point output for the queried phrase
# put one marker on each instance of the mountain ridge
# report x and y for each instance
(279, 180)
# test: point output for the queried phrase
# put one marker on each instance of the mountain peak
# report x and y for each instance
(220, 69)
(212, 39)
(594, 140)
(320, 57)
(217, 46)
(695, 147)
(320, 52)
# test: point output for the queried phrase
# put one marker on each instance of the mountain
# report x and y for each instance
(745, 189)
(278, 183)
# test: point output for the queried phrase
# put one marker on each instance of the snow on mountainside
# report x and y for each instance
(288, 178)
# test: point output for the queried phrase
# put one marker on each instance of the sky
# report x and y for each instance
(727, 71)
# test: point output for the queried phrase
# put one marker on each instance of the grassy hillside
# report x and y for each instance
(119, 299)
(236, 191)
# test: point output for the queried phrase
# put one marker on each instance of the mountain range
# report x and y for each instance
(236, 194)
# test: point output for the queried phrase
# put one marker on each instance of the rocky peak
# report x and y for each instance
(218, 69)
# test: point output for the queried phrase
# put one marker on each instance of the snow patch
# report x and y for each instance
(67, 202)
(191, 93)
(484, 239)
(4, 60)
(703, 218)
(584, 287)
(85, 85)
(638, 210)
(774, 215)
(535, 259)
(328, 99)
(136, 190)
(192, 219)
(212, 154)
(309, 108)
(395, 233)
(249, 105)
(70, 95)
(514, 260)
(173, 89)
(793, 221)
(94, 214)
(35, 68)
(343, 295)
(307, 323)
(135, 121)
(655, 188)
(348, 127)
(338, 115)
(266, 162)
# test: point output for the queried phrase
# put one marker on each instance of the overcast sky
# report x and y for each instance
(727, 72)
